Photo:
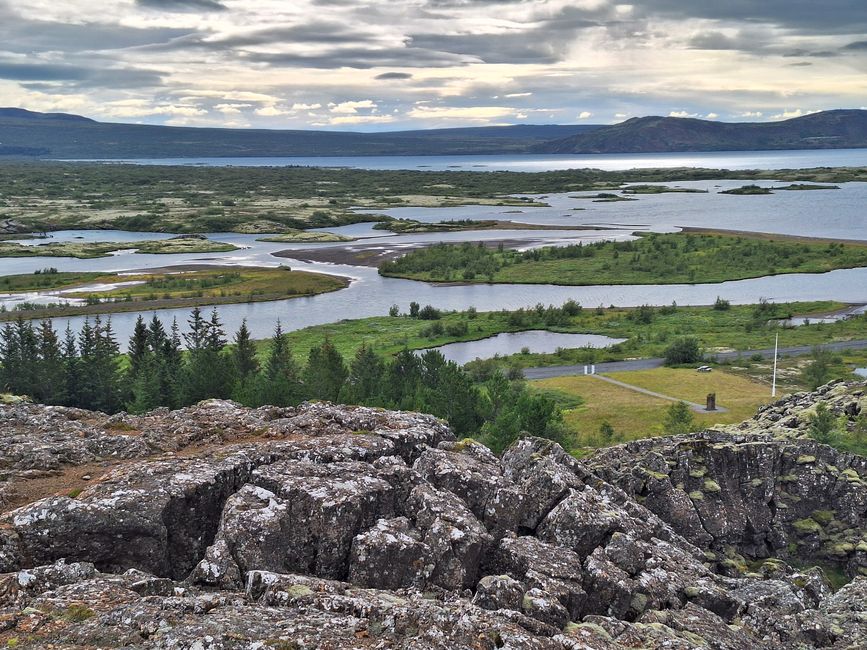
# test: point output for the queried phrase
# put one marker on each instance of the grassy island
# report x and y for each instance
(650, 259)
(90, 250)
(164, 289)
(306, 237)
(748, 190)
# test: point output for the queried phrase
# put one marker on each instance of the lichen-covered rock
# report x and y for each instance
(754, 489)
(337, 527)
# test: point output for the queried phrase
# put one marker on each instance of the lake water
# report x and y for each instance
(861, 372)
(538, 341)
(796, 159)
(821, 213)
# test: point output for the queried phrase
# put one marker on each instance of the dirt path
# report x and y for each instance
(698, 408)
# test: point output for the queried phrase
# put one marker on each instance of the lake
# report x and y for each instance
(536, 341)
(820, 213)
(793, 159)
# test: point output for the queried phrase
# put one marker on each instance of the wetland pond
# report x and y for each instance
(536, 341)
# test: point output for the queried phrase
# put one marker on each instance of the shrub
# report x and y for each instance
(428, 312)
(822, 424)
(683, 350)
(678, 419)
(721, 305)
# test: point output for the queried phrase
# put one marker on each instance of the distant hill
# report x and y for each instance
(57, 135)
(835, 129)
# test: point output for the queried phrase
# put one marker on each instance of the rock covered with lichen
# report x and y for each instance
(751, 492)
(328, 526)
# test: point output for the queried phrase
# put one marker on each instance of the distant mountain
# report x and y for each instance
(57, 135)
(826, 130)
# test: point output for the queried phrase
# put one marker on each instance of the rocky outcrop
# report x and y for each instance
(347, 527)
(757, 490)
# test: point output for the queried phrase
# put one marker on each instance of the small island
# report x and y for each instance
(660, 189)
(652, 258)
(168, 288)
(305, 237)
(748, 190)
(91, 250)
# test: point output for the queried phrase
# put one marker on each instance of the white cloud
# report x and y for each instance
(712, 116)
(350, 108)
(789, 114)
(305, 107)
(231, 109)
(682, 114)
(461, 112)
(271, 111)
(512, 95)
(361, 119)
(583, 115)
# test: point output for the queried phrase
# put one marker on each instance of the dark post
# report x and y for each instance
(711, 402)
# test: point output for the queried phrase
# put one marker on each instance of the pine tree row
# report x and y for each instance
(167, 368)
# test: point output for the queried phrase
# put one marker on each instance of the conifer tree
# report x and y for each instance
(71, 367)
(245, 365)
(325, 373)
(51, 388)
(279, 382)
(364, 385)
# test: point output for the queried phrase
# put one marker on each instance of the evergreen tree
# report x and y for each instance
(52, 377)
(170, 361)
(325, 373)
(71, 368)
(366, 371)
(279, 382)
(9, 358)
(139, 347)
(198, 332)
(26, 380)
(402, 377)
(207, 373)
(244, 353)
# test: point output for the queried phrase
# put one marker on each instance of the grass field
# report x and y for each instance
(737, 328)
(635, 415)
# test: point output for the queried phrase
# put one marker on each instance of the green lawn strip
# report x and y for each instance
(652, 259)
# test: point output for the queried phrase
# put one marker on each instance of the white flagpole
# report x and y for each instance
(774, 384)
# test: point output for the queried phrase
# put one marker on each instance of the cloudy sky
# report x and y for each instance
(393, 64)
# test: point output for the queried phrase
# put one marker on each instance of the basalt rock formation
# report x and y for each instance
(333, 527)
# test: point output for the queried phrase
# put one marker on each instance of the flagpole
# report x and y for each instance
(774, 384)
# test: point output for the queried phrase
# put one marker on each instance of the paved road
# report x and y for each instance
(699, 408)
(649, 364)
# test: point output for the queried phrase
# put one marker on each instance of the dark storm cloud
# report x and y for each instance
(361, 57)
(78, 76)
(182, 5)
(394, 75)
(805, 16)
(27, 36)
(493, 48)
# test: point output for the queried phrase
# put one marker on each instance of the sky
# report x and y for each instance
(401, 64)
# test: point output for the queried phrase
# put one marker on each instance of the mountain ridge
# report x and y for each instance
(30, 134)
(834, 129)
